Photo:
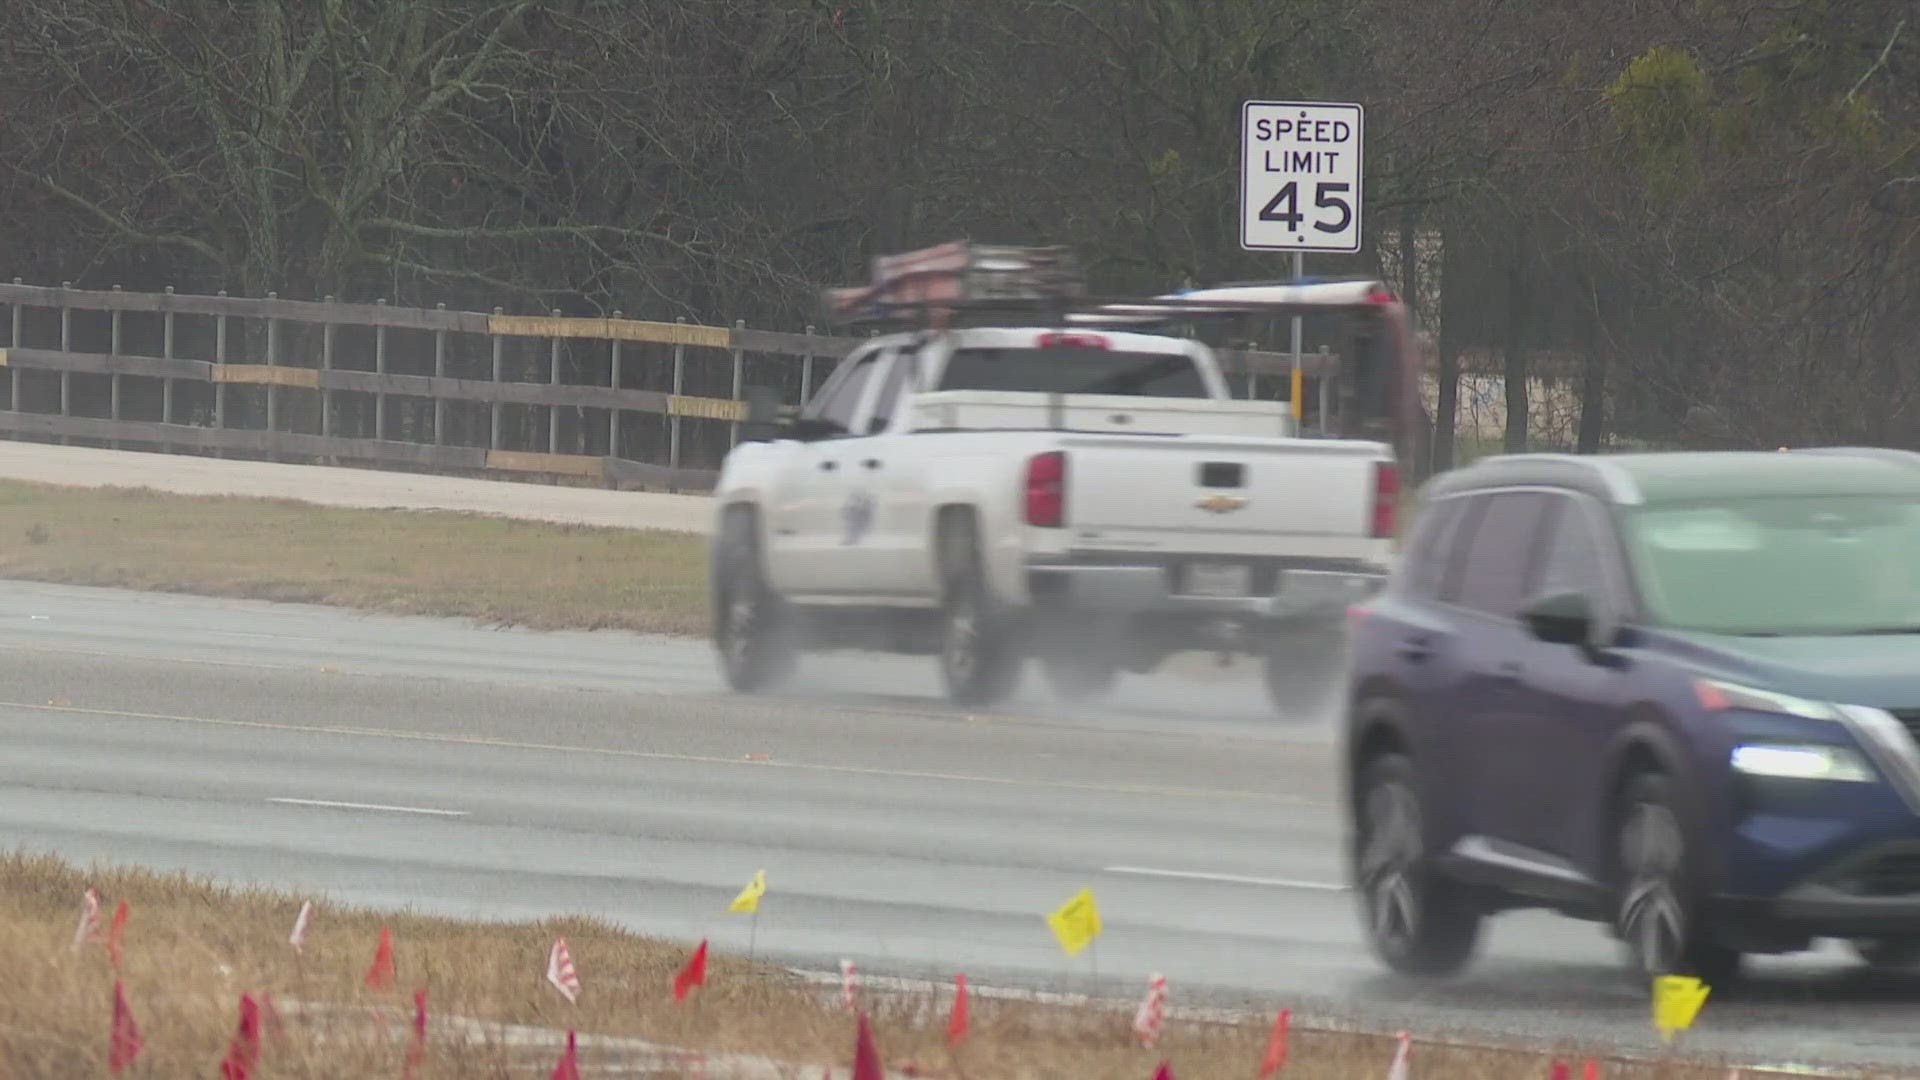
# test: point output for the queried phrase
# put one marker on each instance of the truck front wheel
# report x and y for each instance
(752, 628)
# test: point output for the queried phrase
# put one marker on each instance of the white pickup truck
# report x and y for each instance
(1088, 499)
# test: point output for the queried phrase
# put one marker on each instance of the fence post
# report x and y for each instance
(380, 368)
(439, 372)
(613, 412)
(493, 411)
(553, 411)
(806, 370)
(219, 387)
(326, 364)
(273, 392)
(739, 387)
(166, 351)
(66, 344)
(673, 420)
(113, 347)
(13, 373)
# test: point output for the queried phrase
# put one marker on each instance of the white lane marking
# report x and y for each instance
(1234, 879)
(331, 805)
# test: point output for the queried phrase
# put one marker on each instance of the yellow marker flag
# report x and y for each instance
(1676, 1001)
(1077, 922)
(749, 899)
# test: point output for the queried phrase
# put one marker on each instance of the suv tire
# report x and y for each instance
(752, 626)
(980, 647)
(1417, 920)
(1658, 913)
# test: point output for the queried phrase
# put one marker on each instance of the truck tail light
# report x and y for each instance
(1386, 499)
(1046, 502)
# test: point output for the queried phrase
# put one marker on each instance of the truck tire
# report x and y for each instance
(980, 643)
(1306, 669)
(752, 626)
(1076, 675)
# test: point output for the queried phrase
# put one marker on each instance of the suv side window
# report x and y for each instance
(836, 403)
(1571, 558)
(1492, 577)
(1424, 569)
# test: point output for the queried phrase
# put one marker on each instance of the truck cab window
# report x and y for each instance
(841, 396)
(1075, 370)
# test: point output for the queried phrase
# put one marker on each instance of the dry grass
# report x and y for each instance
(192, 949)
(400, 562)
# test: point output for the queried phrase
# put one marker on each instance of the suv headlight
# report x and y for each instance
(1801, 761)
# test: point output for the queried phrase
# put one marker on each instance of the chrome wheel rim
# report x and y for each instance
(1651, 920)
(962, 640)
(740, 618)
(1387, 861)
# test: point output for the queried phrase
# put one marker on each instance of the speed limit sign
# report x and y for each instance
(1300, 175)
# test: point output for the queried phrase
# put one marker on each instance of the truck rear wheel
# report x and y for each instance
(980, 647)
(1306, 669)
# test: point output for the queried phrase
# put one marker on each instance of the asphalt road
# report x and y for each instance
(513, 774)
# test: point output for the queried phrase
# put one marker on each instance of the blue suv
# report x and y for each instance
(1675, 694)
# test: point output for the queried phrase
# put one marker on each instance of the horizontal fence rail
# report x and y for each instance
(622, 402)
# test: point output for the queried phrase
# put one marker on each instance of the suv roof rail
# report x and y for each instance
(1878, 453)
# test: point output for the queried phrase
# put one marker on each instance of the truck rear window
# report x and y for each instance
(1074, 371)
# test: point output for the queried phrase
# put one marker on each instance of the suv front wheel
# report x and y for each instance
(1657, 910)
(1417, 921)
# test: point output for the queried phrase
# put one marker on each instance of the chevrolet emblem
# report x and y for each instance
(1221, 504)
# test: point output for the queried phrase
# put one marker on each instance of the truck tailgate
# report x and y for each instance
(1258, 497)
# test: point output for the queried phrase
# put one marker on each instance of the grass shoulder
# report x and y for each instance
(497, 570)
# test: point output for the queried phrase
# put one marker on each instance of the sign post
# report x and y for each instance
(1300, 177)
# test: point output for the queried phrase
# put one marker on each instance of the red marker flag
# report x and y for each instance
(243, 1052)
(560, 970)
(114, 934)
(89, 919)
(694, 974)
(957, 1023)
(124, 1044)
(568, 1067)
(1591, 1071)
(298, 938)
(380, 972)
(1276, 1046)
(1398, 1070)
(418, 1049)
(1164, 1072)
(1560, 1071)
(866, 1056)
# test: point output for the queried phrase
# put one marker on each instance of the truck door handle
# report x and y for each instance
(871, 463)
(829, 466)
(1417, 648)
(1507, 674)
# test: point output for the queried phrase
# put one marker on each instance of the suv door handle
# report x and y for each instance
(1416, 648)
(1508, 673)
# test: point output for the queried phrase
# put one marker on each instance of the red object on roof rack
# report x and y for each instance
(939, 281)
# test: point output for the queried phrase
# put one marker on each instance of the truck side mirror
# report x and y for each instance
(764, 419)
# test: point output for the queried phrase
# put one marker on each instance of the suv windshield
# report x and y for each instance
(1075, 370)
(1804, 564)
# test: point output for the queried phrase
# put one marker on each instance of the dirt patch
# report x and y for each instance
(189, 950)
(498, 570)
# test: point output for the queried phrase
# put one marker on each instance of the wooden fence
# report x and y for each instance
(621, 402)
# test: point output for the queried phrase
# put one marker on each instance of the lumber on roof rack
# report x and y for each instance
(936, 283)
